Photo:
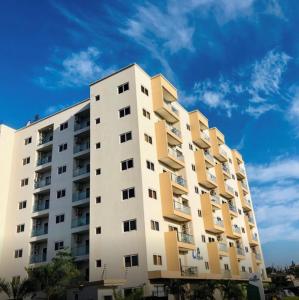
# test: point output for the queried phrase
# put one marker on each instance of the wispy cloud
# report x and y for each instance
(76, 69)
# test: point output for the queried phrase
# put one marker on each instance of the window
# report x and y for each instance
(22, 204)
(233, 176)
(59, 245)
(123, 87)
(128, 193)
(236, 194)
(97, 97)
(148, 138)
(18, 253)
(240, 212)
(26, 161)
(62, 147)
(155, 225)
(98, 171)
(250, 269)
(144, 90)
(98, 263)
(246, 249)
(152, 193)
(124, 111)
(230, 161)
(98, 145)
(28, 140)
(124, 137)
(157, 260)
(203, 238)
(60, 193)
(188, 127)
(150, 165)
(193, 167)
(199, 212)
(61, 169)
(243, 269)
(127, 164)
(243, 230)
(99, 230)
(24, 181)
(207, 265)
(20, 228)
(146, 114)
(196, 189)
(130, 225)
(211, 240)
(131, 260)
(226, 267)
(64, 126)
(98, 199)
(98, 120)
(190, 146)
(59, 219)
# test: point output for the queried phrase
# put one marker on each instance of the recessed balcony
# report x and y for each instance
(238, 161)
(226, 171)
(244, 187)
(188, 271)
(42, 182)
(225, 190)
(80, 221)
(172, 184)
(185, 241)
(228, 219)
(246, 203)
(45, 136)
(204, 176)
(217, 140)
(237, 231)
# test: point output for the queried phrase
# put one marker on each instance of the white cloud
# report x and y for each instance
(293, 110)
(75, 70)
(257, 110)
(273, 8)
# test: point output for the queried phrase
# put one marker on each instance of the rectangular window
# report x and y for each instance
(98, 199)
(18, 253)
(98, 120)
(150, 165)
(207, 265)
(22, 204)
(155, 225)
(131, 260)
(193, 167)
(98, 145)
(188, 127)
(199, 213)
(124, 137)
(146, 114)
(152, 193)
(62, 147)
(129, 225)
(60, 193)
(28, 140)
(127, 164)
(98, 263)
(99, 230)
(250, 270)
(98, 171)
(144, 90)
(190, 146)
(123, 87)
(20, 228)
(26, 161)
(61, 170)
(148, 138)
(196, 189)
(64, 126)
(203, 238)
(24, 181)
(211, 240)
(243, 269)
(124, 111)
(157, 260)
(128, 193)
(97, 97)
(59, 219)
(59, 245)
(226, 267)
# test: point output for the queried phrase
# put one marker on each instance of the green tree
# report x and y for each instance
(204, 290)
(17, 288)
(53, 278)
(232, 290)
(136, 294)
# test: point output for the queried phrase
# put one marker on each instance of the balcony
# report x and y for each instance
(226, 171)
(80, 221)
(222, 248)
(188, 271)
(41, 205)
(199, 130)
(82, 170)
(244, 187)
(232, 209)
(40, 183)
(214, 257)
(225, 190)
(246, 203)
(38, 231)
(45, 135)
(174, 135)
(237, 231)
(215, 200)
(84, 146)
(38, 258)
(79, 196)
(80, 251)
(185, 241)
(217, 140)
(172, 184)
(164, 94)
(209, 159)
(240, 252)
(237, 161)
(82, 124)
(44, 160)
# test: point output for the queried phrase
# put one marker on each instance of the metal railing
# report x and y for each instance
(240, 251)
(42, 182)
(174, 130)
(229, 188)
(178, 155)
(44, 160)
(205, 136)
(172, 108)
(80, 251)
(39, 231)
(237, 229)
(185, 238)
(232, 207)
(179, 180)
(244, 185)
(82, 124)
(38, 258)
(45, 139)
(80, 221)
(181, 207)
(208, 156)
(77, 196)
(218, 222)
(81, 147)
(215, 199)
(222, 152)
(225, 169)
(189, 271)
(81, 171)
(211, 176)
(254, 237)
(40, 206)
(222, 247)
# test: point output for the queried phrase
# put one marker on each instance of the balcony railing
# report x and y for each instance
(42, 182)
(179, 180)
(40, 206)
(82, 124)
(250, 219)
(222, 247)
(77, 196)
(229, 188)
(39, 231)
(178, 155)
(170, 107)
(254, 237)
(232, 207)
(222, 152)
(181, 207)
(244, 185)
(218, 222)
(81, 171)
(209, 156)
(189, 271)
(225, 169)
(216, 199)
(38, 258)
(258, 256)
(81, 147)
(240, 251)
(80, 221)
(44, 160)
(185, 238)
(80, 251)
(242, 171)
(236, 229)
(174, 130)
(205, 136)
(45, 139)
(211, 176)
(247, 201)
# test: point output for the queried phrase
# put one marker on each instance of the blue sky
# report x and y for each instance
(236, 61)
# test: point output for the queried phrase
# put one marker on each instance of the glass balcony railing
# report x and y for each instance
(77, 196)
(178, 155)
(189, 271)
(211, 177)
(222, 152)
(215, 199)
(39, 231)
(80, 251)
(82, 124)
(250, 219)
(236, 229)
(44, 160)
(181, 207)
(80, 221)
(185, 238)
(232, 207)
(244, 185)
(225, 169)
(174, 130)
(209, 156)
(229, 188)
(205, 136)
(38, 258)
(42, 182)
(39, 206)
(171, 107)
(45, 139)
(81, 147)
(218, 222)
(240, 251)
(179, 180)
(254, 237)
(222, 247)
(82, 171)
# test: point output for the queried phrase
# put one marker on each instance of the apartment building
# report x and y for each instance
(140, 191)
